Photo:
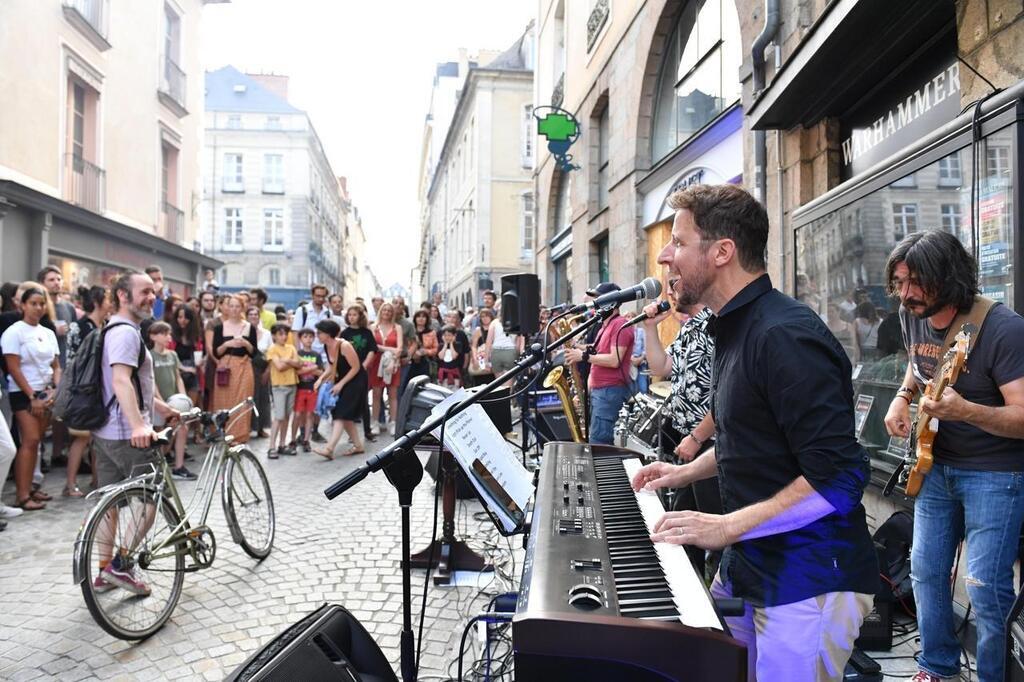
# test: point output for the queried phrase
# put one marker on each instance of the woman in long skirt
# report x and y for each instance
(234, 341)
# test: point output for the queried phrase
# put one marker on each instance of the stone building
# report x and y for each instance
(272, 207)
(476, 191)
(655, 87)
(99, 139)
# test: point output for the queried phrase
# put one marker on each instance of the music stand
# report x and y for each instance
(448, 553)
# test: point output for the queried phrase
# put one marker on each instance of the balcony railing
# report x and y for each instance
(172, 83)
(172, 223)
(89, 17)
(85, 184)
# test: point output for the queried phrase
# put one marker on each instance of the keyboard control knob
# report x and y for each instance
(585, 597)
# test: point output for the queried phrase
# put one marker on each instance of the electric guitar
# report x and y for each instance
(917, 458)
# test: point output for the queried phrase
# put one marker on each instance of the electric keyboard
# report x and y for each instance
(598, 600)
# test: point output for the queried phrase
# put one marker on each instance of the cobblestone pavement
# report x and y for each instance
(346, 551)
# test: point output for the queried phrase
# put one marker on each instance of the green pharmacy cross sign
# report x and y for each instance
(561, 129)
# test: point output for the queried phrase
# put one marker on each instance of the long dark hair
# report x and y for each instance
(191, 332)
(940, 263)
(7, 292)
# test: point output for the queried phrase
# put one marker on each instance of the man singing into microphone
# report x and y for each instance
(609, 369)
(792, 474)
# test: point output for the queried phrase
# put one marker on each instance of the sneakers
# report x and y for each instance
(124, 577)
(10, 512)
(391, 428)
(183, 474)
(101, 585)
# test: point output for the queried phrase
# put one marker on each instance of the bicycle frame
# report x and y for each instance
(159, 482)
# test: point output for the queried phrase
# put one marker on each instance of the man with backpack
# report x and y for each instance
(124, 439)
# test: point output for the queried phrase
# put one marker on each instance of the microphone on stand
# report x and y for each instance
(649, 288)
(663, 307)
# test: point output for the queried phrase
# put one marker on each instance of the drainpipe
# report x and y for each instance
(767, 35)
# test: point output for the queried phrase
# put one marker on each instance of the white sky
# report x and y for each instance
(363, 71)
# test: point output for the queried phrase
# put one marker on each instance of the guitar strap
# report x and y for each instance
(975, 316)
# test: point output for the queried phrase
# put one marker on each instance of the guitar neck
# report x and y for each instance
(934, 391)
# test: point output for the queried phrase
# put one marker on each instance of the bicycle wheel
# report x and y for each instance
(248, 504)
(134, 599)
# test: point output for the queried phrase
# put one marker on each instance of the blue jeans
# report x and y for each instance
(988, 508)
(605, 404)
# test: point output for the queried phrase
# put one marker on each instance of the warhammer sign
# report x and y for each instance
(933, 103)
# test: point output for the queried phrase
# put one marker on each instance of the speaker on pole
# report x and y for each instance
(520, 303)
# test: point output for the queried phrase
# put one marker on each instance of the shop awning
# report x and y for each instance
(850, 54)
(25, 196)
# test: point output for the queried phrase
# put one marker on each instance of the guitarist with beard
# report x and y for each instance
(975, 490)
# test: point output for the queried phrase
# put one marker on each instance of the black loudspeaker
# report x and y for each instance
(328, 644)
(550, 417)
(520, 303)
(1015, 641)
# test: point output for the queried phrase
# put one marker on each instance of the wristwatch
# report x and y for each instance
(39, 395)
(586, 356)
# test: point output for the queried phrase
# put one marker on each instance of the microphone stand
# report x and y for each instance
(404, 471)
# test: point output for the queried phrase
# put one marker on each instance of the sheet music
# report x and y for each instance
(476, 444)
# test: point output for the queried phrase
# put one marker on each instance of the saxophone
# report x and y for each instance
(568, 386)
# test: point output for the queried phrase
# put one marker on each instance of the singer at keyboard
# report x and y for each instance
(796, 541)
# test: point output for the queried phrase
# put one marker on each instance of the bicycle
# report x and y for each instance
(150, 549)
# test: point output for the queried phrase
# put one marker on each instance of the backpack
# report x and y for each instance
(79, 400)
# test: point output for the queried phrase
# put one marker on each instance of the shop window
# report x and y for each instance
(699, 77)
(562, 217)
(233, 230)
(841, 272)
(904, 219)
(562, 291)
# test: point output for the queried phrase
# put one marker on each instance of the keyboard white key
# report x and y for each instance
(688, 592)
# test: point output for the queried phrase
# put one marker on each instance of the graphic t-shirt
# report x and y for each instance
(996, 359)
(311, 360)
(165, 372)
(362, 340)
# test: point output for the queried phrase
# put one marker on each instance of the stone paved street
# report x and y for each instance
(345, 551)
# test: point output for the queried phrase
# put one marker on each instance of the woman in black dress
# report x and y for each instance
(350, 386)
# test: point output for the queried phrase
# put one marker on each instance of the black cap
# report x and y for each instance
(602, 289)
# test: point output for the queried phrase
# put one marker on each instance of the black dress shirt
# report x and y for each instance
(782, 399)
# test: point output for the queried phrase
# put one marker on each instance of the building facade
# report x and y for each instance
(655, 87)
(272, 208)
(477, 206)
(100, 139)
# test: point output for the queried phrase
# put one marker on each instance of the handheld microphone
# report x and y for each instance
(649, 288)
(663, 307)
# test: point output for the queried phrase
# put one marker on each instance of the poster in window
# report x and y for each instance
(860, 413)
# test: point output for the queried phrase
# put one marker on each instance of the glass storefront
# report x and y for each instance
(842, 247)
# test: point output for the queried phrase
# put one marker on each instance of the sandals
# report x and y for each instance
(28, 504)
(329, 456)
(73, 491)
(272, 453)
(353, 451)
(38, 495)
